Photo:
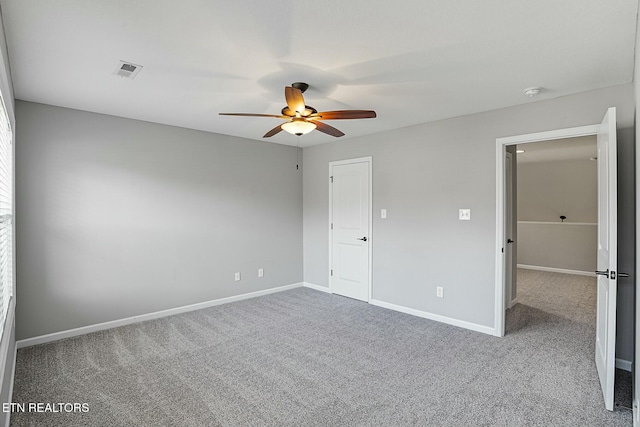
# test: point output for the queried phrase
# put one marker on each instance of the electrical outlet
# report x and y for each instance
(440, 292)
(237, 277)
(261, 272)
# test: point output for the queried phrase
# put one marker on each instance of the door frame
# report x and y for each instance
(368, 160)
(510, 301)
(501, 144)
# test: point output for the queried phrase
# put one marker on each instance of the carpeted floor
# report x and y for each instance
(305, 358)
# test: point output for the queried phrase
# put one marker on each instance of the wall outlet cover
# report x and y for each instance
(464, 214)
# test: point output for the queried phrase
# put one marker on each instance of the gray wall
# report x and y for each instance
(6, 82)
(626, 243)
(121, 217)
(422, 175)
(566, 246)
(547, 190)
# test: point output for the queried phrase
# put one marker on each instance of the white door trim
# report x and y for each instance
(509, 280)
(369, 160)
(501, 144)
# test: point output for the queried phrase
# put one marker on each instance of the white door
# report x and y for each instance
(607, 256)
(350, 237)
(508, 230)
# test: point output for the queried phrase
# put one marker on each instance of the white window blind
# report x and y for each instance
(6, 214)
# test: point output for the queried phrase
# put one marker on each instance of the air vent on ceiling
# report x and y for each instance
(127, 70)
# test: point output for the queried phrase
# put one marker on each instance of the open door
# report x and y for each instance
(607, 256)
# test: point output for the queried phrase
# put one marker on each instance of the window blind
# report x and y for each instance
(6, 214)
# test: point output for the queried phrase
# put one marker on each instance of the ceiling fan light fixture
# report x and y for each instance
(298, 127)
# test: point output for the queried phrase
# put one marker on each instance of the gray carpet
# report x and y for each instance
(305, 358)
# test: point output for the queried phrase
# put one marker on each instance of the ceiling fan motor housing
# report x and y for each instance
(300, 86)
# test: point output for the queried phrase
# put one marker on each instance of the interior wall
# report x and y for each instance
(6, 82)
(626, 243)
(562, 187)
(547, 190)
(563, 246)
(121, 217)
(422, 175)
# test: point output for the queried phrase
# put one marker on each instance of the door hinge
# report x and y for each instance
(332, 272)
(331, 179)
(502, 250)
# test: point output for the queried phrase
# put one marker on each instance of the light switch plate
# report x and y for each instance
(383, 213)
(465, 214)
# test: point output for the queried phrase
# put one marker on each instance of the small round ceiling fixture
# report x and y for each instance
(532, 91)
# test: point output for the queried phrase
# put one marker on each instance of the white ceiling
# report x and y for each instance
(412, 61)
(581, 148)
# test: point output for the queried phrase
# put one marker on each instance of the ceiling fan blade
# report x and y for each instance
(295, 100)
(344, 114)
(329, 130)
(253, 115)
(273, 131)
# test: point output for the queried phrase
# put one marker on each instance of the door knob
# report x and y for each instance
(364, 239)
(623, 275)
(510, 241)
(603, 273)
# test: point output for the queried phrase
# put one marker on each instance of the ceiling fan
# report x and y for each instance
(302, 118)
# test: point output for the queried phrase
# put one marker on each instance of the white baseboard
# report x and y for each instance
(149, 316)
(557, 270)
(625, 365)
(513, 302)
(316, 287)
(438, 318)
